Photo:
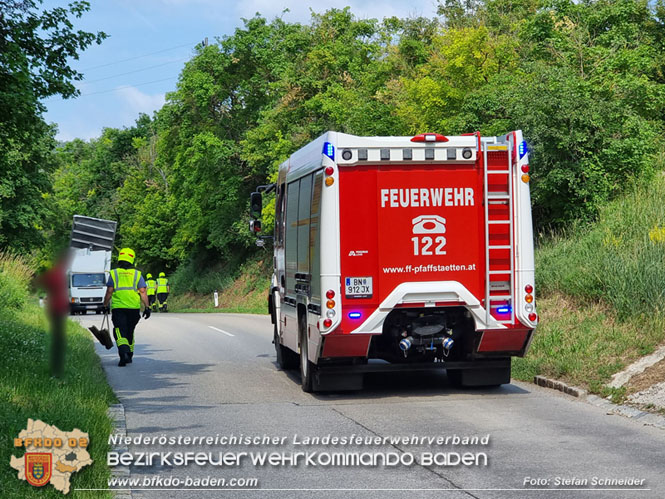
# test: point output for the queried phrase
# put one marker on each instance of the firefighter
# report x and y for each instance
(126, 290)
(152, 292)
(163, 290)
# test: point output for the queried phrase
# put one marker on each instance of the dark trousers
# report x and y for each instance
(162, 297)
(151, 299)
(124, 323)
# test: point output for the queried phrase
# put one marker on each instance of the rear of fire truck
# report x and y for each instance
(422, 250)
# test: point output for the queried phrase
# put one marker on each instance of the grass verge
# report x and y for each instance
(78, 400)
(584, 344)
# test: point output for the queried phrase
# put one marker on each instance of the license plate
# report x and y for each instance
(358, 287)
(91, 306)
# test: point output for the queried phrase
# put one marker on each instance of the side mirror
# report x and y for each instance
(255, 226)
(256, 205)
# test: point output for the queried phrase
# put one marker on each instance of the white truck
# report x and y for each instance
(90, 245)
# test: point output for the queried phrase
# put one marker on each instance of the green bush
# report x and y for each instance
(15, 275)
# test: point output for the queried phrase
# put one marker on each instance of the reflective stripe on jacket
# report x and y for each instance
(125, 288)
(162, 285)
(152, 286)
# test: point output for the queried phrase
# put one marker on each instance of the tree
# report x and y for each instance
(35, 46)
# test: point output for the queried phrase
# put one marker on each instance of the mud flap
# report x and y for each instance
(478, 376)
(332, 382)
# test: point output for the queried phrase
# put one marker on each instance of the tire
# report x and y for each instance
(286, 358)
(307, 369)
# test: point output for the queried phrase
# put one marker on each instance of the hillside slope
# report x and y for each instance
(602, 292)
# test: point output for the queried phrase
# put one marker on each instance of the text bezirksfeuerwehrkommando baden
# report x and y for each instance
(299, 440)
(354, 454)
(256, 458)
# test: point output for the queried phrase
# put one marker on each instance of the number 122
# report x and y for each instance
(422, 246)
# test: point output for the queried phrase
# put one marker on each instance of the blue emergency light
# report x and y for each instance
(329, 150)
(354, 315)
(504, 310)
(523, 149)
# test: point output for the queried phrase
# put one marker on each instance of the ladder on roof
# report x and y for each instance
(499, 231)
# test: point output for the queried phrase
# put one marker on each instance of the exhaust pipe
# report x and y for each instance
(406, 343)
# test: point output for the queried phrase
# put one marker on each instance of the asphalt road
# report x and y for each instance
(211, 375)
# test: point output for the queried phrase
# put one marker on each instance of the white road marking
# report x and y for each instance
(221, 331)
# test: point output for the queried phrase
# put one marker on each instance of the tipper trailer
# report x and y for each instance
(402, 253)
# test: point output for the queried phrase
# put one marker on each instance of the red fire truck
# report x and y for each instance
(402, 253)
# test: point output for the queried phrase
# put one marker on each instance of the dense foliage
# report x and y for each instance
(35, 45)
(583, 79)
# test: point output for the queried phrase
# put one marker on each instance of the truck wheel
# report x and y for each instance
(286, 358)
(307, 369)
(479, 377)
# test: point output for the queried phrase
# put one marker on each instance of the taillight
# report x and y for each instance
(330, 180)
(330, 294)
(327, 323)
(529, 307)
(525, 168)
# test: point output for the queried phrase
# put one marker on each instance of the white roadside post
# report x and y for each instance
(216, 299)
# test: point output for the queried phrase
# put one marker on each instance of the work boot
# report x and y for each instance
(124, 359)
(130, 356)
